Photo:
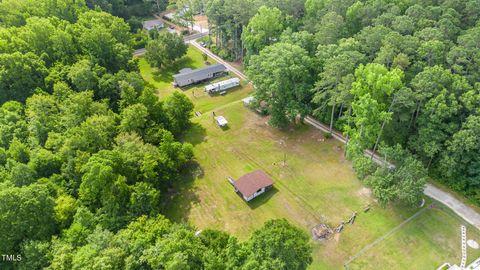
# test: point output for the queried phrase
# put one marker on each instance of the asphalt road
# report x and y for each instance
(457, 206)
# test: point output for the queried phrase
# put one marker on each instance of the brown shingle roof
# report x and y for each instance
(251, 182)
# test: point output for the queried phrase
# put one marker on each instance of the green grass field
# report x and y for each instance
(429, 240)
(313, 184)
(316, 185)
(162, 80)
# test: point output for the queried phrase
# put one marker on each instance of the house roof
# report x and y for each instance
(251, 182)
(199, 73)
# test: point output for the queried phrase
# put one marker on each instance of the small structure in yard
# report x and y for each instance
(221, 86)
(189, 76)
(251, 103)
(221, 121)
(252, 184)
(153, 24)
(321, 232)
(248, 101)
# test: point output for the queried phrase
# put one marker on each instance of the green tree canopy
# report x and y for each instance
(282, 77)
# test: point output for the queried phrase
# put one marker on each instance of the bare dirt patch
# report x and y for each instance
(365, 192)
(336, 237)
(201, 20)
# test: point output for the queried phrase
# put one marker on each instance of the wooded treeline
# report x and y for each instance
(388, 74)
(88, 154)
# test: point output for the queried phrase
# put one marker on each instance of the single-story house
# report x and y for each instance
(152, 24)
(221, 121)
(252, 184)
(189, 76)
(223, 85)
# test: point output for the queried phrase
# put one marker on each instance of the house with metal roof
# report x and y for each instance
(251, 185)
(221, 121)
(192, 76)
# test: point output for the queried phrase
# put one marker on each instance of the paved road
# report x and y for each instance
(457, 206)
(466, 212)
(192, 38)
(461, 209)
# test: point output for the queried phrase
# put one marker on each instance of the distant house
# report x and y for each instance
(152, 24)
(222, 86)
(252, 184)
(189, 76)
(221, 121)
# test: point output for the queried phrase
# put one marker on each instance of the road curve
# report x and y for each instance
(187, 39)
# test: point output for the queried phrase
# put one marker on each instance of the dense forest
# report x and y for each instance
(399, 77)
(88, 154)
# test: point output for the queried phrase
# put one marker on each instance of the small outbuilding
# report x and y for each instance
(192, 76)
(252, 184)
(222, 85)
(221, 121)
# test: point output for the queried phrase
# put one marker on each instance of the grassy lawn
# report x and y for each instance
(425, 243)
(162, 80)
(313, 184)
(316, 185)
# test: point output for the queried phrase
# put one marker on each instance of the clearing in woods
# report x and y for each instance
(315, 185)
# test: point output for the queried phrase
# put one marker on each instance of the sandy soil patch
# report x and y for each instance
(201, 20)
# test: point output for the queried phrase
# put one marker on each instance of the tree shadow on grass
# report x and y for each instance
(165, 74)
(263, 198)
(178, 201)
(195, 135)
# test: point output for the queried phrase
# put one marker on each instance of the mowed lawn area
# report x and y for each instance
(162, 80)
(313, 184)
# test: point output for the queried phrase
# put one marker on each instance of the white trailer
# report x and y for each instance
(222, 86)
